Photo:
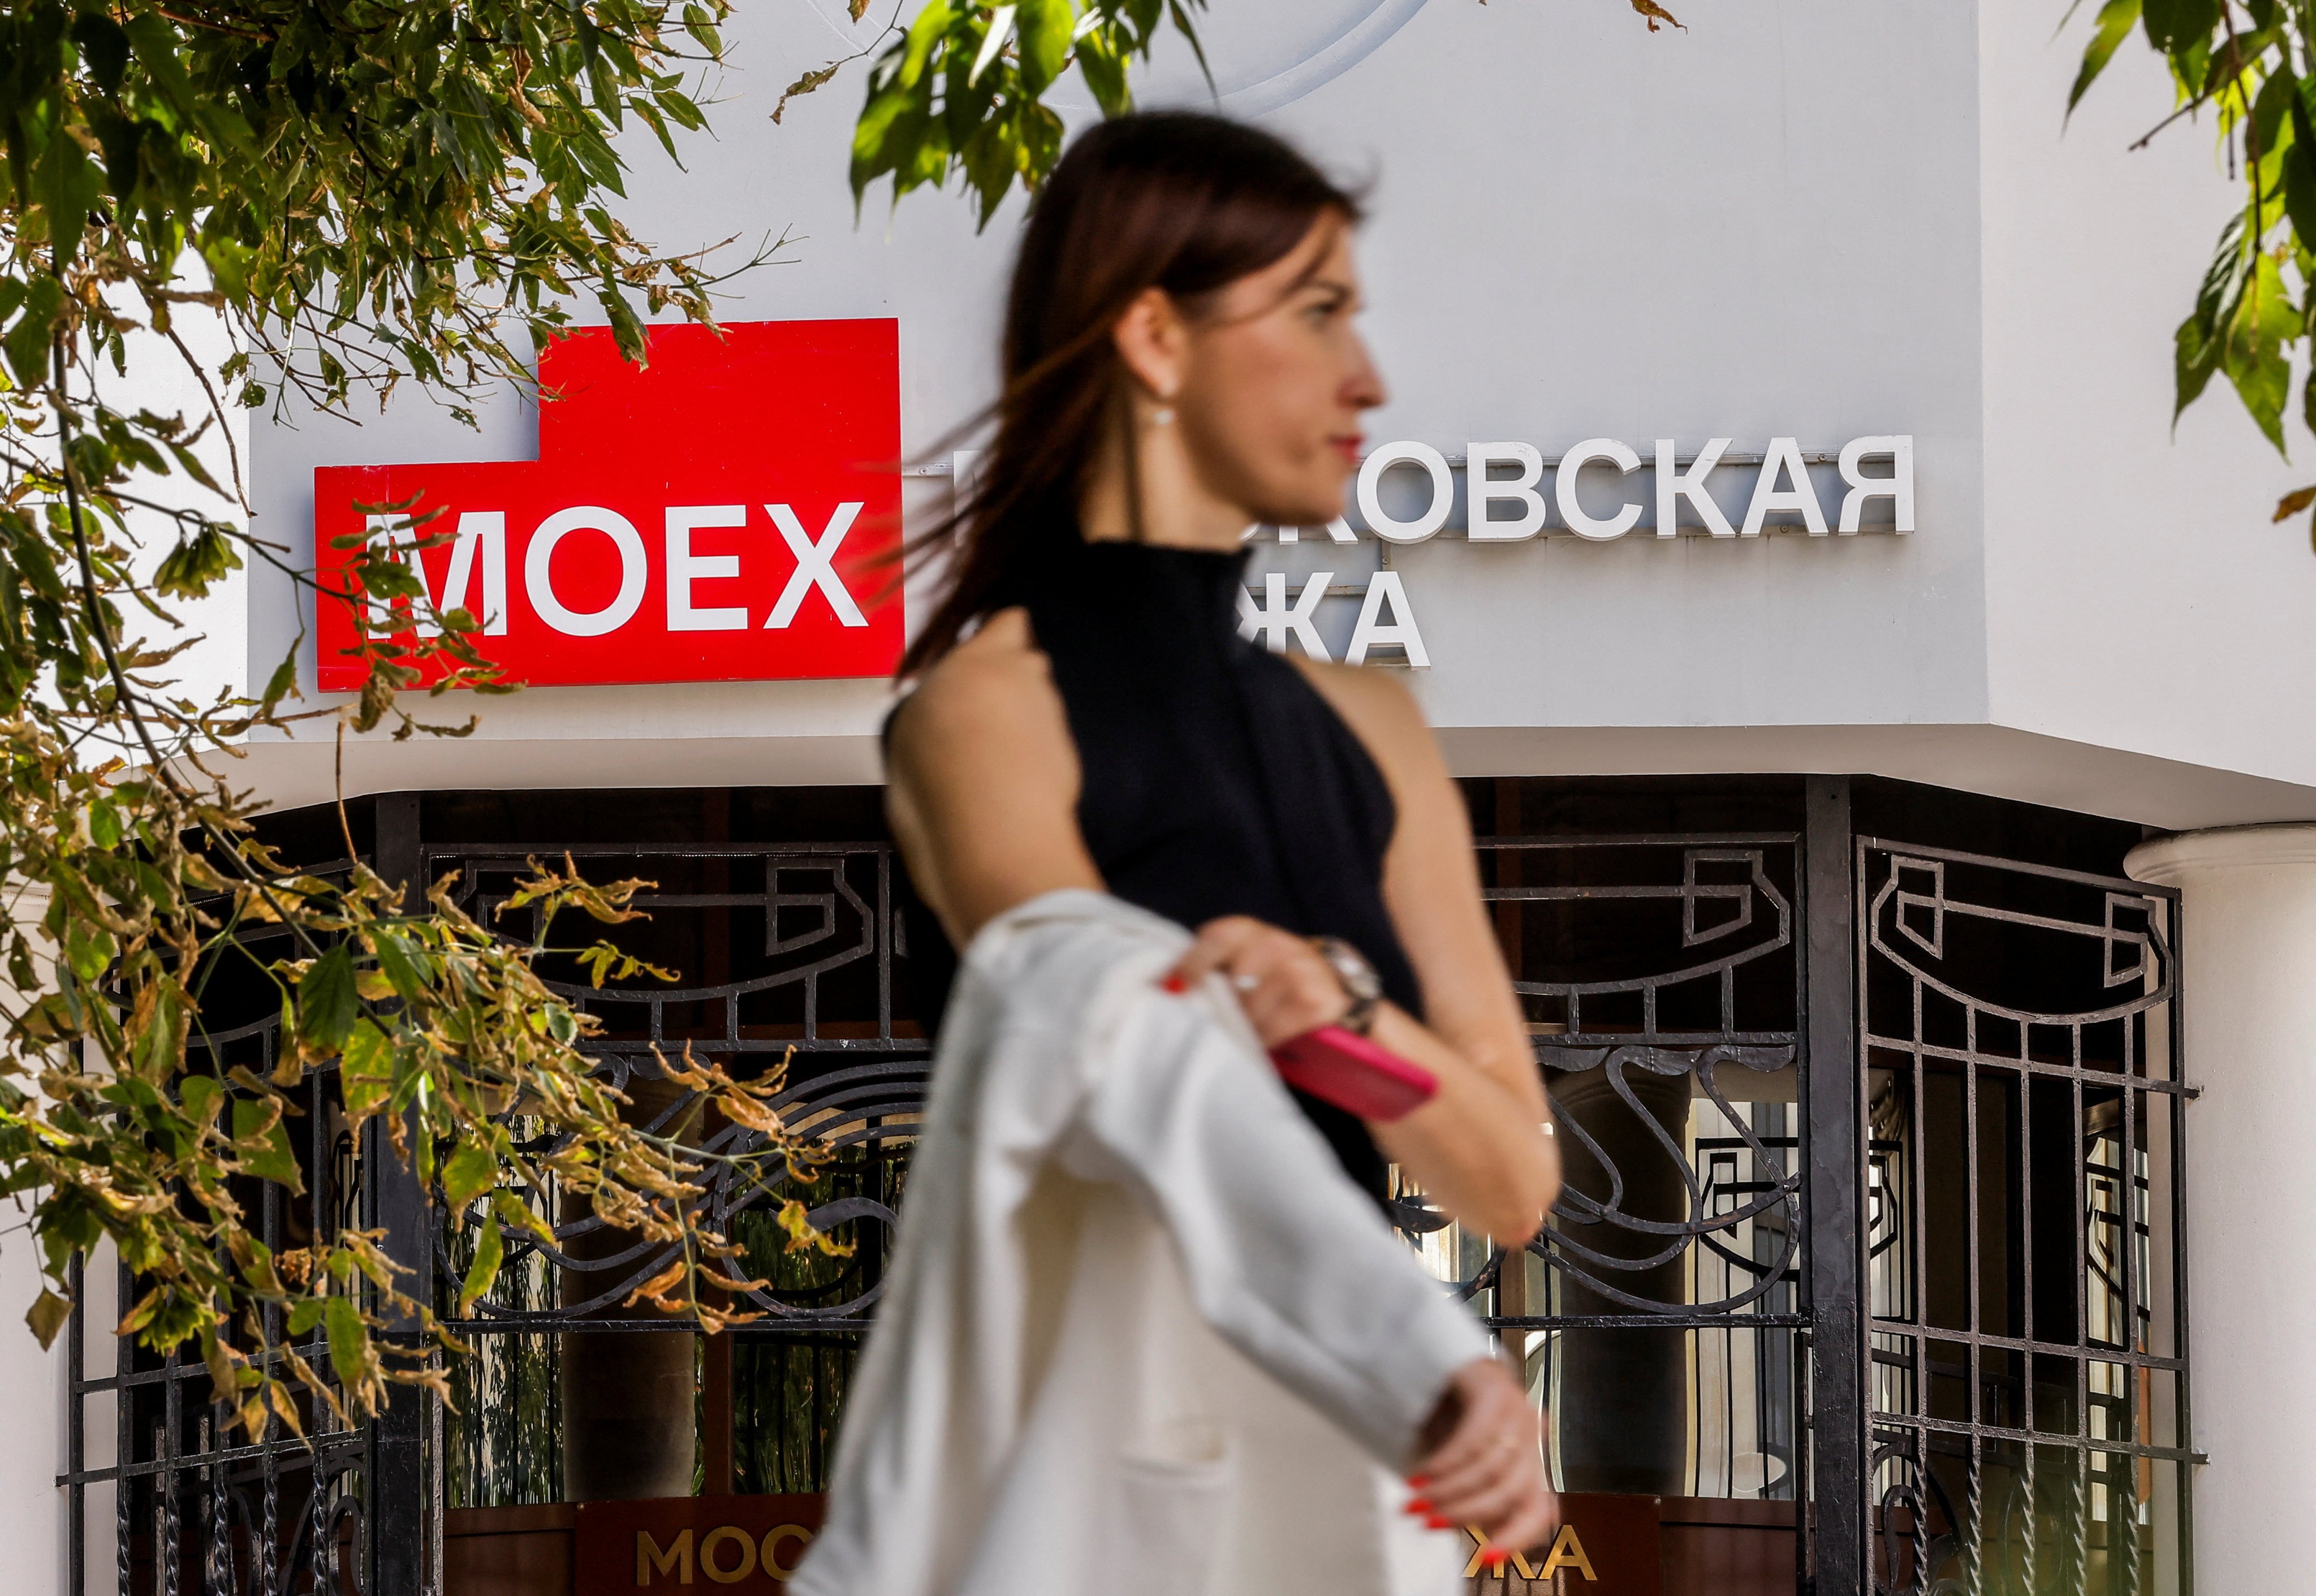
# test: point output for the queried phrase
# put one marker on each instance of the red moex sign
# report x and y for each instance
(729, 512)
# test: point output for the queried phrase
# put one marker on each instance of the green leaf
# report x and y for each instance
(366, 1069)
(1045, 27)
(471, 1170)
(198, 561)
(516, 1214)
(284, 683)
(103, 47)
(327, 1003)
(926, 32)
(47, 1315)
(27, 342)
(2300, 168)
(488, 1253)
(1104, 71)
(263, 1141)
(104, 823)
(2254, 355)
(349, 1339)
(2173, 26)
(201, 1097)
(89, 949)
(404, 967)
(2116, 19)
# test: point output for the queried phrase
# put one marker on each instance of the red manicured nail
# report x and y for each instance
(1436, 1522)
(1495, 1556)
(1417, 1482)
(1418, 1507)
(1174, 983)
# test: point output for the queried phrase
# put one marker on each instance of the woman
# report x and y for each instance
(1181, 360)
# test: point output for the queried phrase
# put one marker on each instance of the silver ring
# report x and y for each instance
(1246, 982)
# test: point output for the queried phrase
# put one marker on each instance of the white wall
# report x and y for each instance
(2138, 596)
(1758, 226)
(1784, 220)
(32, 1408)
(33, 1390)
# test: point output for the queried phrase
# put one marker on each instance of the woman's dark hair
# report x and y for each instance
(1169, 199)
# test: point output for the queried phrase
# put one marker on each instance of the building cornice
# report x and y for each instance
(2166, 861)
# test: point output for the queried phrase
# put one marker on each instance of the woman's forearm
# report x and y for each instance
(1478, 1148)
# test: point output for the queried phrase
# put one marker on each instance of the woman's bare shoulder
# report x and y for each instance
(984, 780)
(989, 700)
(1384, 715)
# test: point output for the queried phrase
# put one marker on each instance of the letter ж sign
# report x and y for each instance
(727, 512)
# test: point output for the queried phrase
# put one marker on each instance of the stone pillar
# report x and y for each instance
(2248, 969)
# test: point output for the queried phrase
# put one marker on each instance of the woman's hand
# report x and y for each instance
(1483, 1464)
(1283, 984)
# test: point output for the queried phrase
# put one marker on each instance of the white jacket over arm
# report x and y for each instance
(1142, 1333)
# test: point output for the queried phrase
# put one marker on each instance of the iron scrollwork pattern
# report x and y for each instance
(1661, 981)
(784, 954)
(2019, 1029)
(1660, 1002)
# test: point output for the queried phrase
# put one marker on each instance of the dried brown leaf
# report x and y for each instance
(815, 79)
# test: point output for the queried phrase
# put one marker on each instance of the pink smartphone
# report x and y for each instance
(1344, 1068)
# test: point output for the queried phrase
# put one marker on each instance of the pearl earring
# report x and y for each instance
(1164, 416)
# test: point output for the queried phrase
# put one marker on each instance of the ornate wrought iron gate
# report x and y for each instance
(1663, 994)
(787, 953)
(2018, 1038)
(1873, 1156)
(162, 1495)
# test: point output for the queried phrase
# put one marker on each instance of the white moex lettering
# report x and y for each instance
(685, 568)
(475, 579)
(816, 567)
(539, 564)
(479, 532)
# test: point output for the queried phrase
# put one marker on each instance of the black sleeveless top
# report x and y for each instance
(1214, 780)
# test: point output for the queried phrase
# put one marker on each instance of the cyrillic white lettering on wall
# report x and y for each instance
(1782, 487)
(685, 568)
(1274, 620)
(1898, 487)
(1784, 458)
(1674, 484)
(1372, 631)
(538, 583)
(1443, 492)
(1484, 491)
(1564, 486)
